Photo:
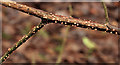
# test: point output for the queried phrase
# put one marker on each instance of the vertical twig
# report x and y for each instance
(107, 18)
(106, 12)
(64, 39)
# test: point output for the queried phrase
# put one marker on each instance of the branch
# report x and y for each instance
(107, 18)
(52, 18)
(106, 12)
(23, 40)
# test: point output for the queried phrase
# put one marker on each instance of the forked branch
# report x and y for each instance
(52, 18)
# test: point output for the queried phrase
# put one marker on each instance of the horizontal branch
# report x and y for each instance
(53, 18)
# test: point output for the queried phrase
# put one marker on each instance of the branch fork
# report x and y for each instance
(51, 18)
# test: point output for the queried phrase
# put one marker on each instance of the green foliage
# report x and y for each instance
(88, 43)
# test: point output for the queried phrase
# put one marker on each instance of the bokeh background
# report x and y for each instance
(44, 47)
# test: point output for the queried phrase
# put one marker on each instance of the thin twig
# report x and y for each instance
(107, 18)
(106, 12)
(23, 40)
(65, 38)
(52, 18)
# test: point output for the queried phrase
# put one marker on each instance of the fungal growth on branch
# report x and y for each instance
(23, 40)
(53, 18)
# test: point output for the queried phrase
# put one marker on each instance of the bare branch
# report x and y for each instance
(23, 40)
(52, 18)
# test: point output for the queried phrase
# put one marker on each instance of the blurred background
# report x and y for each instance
(81, 45)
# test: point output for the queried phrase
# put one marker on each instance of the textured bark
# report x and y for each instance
(20, 42)
(52, 18)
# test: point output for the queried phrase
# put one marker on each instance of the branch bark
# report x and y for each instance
(23, 40)
(52, 18)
